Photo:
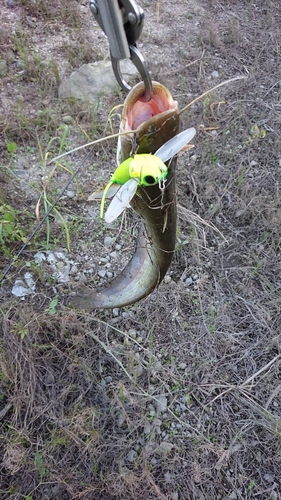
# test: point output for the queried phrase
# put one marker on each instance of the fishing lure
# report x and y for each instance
(140, 170)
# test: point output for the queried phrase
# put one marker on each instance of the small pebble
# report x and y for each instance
(132, 455)
(215, 74)
(182, 366)
(104, 260)
(147, 428)
(11, 4)
(268, 478)
(70, 193)
(68, 120)
(161, 403)
(102, 273)
(108, 241)
(132, 332)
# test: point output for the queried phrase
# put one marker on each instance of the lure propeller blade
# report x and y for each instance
(122, 199)
(174, 145)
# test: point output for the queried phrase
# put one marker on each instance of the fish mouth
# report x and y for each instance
(138, 112)
(154, 122)
(150, 125)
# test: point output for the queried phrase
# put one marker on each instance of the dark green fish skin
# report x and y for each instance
(158, 210)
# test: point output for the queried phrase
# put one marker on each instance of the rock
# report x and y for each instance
(94, 79)
(20, 64)
(22, 288)
(108, 241)
(11, 4)
(121, 419)
(168, 477)
(268, 478)
(68, 120)
(102, 273)
(132, 455)
(133, 333)
(161, 403)
(165, 448)
(147, 428)
(70, 194)
(19, 289)
(215, 74)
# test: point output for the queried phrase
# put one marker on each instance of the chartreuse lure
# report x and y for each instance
(141, 170)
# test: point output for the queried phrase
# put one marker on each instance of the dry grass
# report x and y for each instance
(177, 397)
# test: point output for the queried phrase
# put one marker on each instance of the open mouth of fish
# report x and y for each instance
(155, 122)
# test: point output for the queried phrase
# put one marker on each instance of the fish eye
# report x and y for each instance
(149, 179)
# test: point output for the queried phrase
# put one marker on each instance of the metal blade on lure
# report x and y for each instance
(174, 145)
(121, 200)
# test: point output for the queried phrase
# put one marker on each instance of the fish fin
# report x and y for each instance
(174, 145)
(97, 195)
(122, 199)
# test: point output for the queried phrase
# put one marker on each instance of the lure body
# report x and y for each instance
(146, 170)
(156, 123)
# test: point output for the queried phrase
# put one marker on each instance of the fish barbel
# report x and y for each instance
(155, 122)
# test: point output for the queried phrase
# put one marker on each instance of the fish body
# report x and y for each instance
(156, 122)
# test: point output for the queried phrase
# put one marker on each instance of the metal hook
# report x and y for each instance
(139, 62)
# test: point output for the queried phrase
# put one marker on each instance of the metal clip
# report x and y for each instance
(122, 22)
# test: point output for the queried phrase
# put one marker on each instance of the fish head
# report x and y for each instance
(155, 121)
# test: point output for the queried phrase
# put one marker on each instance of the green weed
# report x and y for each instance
(47, 203)
(11, 230)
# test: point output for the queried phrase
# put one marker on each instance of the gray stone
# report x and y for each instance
(132, 455)
(11, 4)
(165, 447)
(108, 241)
(215, 74)
(102, 273)
(20, 64)
(68, 120)
(161, 403)
(147, 428)
(92, 80)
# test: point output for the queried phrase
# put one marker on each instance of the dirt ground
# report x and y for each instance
(179, 396)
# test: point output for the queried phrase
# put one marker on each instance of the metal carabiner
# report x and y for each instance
(122, 22)
(139, 62)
